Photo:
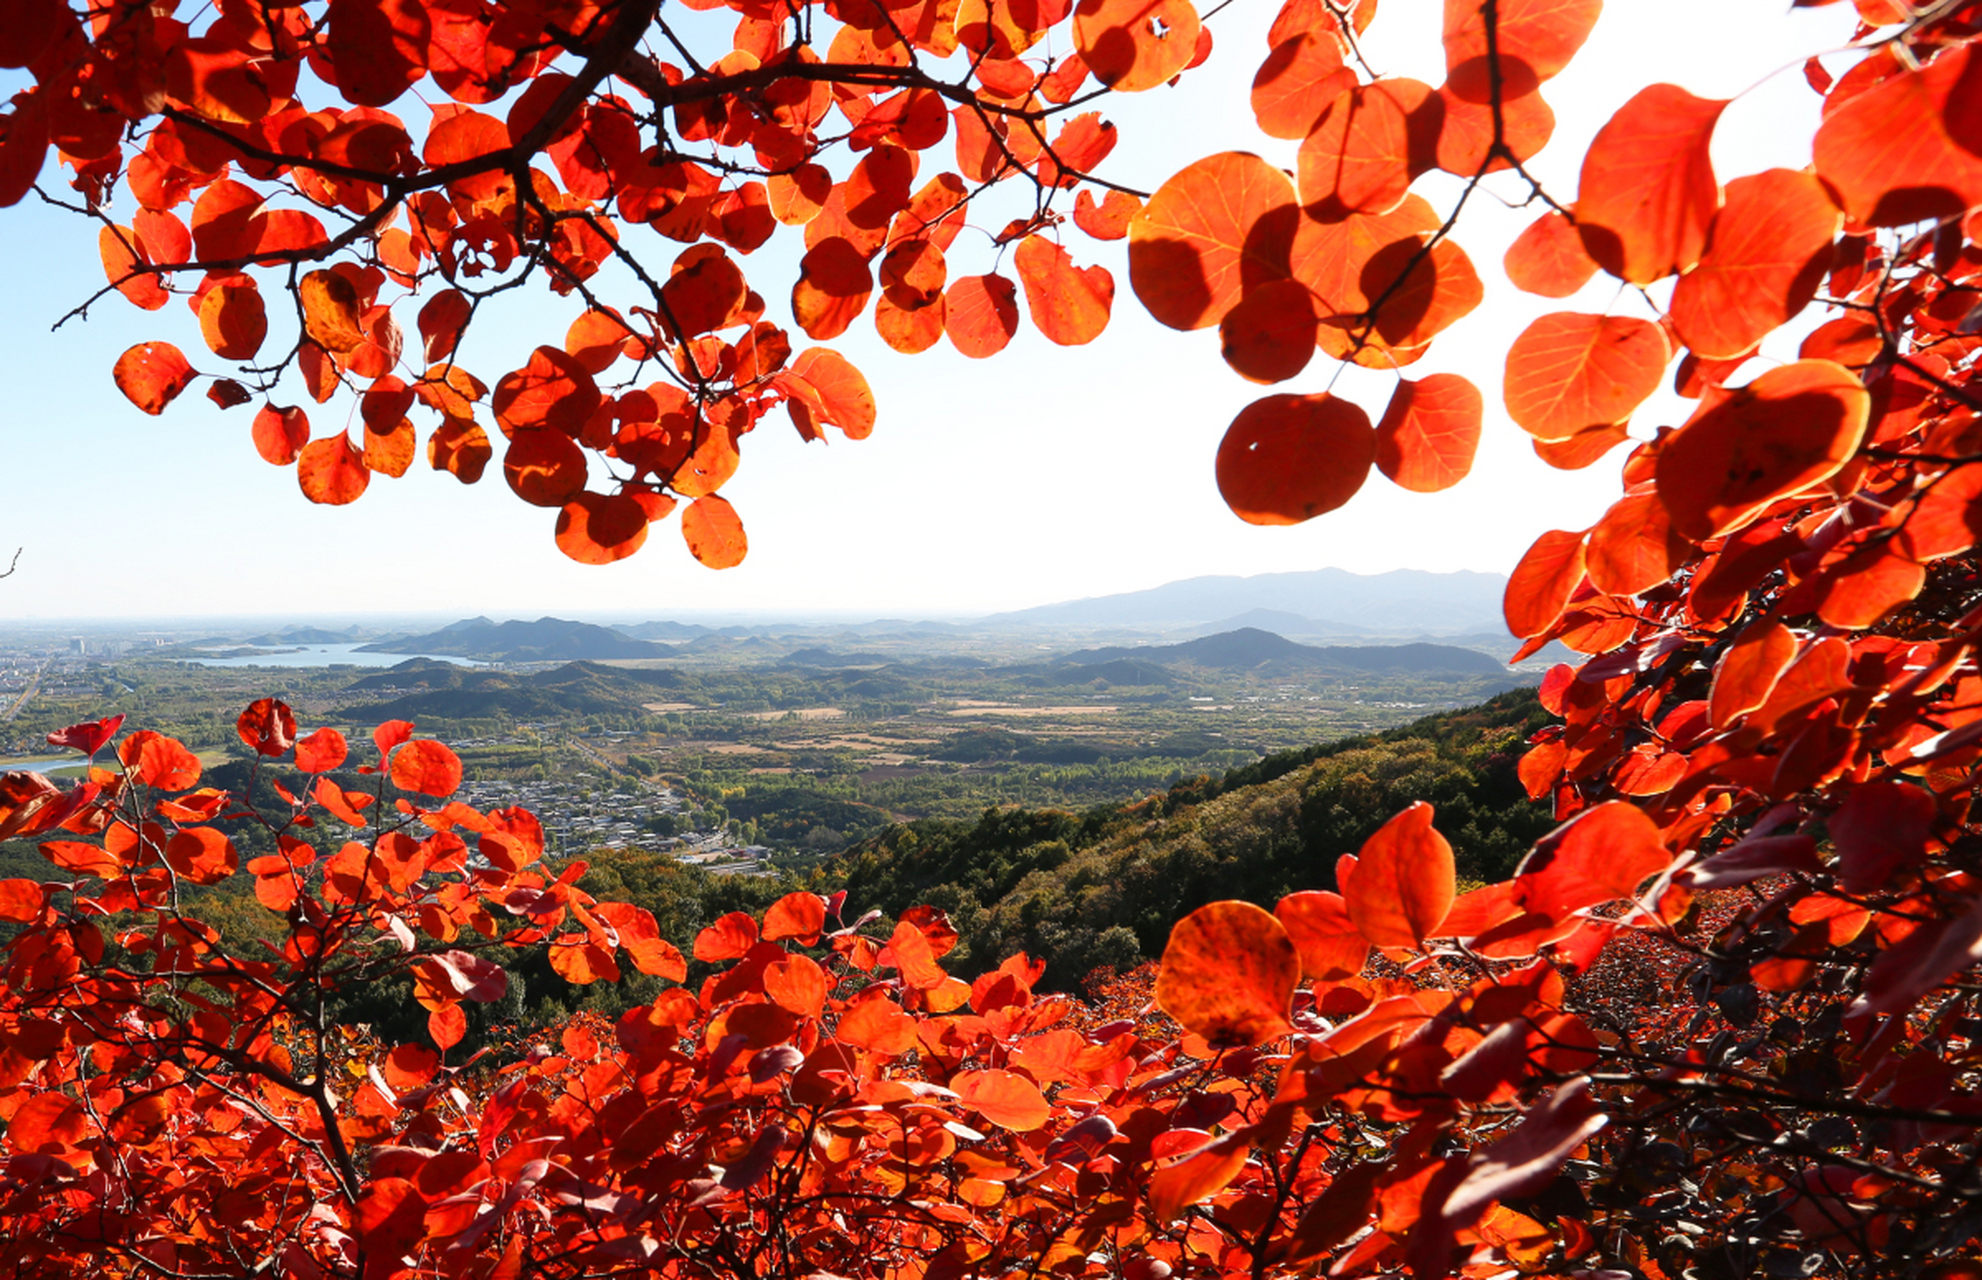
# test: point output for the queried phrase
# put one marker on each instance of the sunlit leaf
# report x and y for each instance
(1214, 230)
(1648, 191)
(1567, 372)
(1767, 250)
(1228, 974)
(1288, 458)
(1429, 432)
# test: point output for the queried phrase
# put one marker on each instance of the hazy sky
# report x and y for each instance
(1043, 474)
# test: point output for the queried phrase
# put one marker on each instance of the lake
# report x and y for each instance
(324, 655)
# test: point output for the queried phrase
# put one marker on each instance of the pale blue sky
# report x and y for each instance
(1043, 474)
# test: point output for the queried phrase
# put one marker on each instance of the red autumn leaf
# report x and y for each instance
(596, 528)
(1633, 548)
(123, 263)
(1108, 220)
(1539, 588)
(152, 374)
(1297, 82)
(447, 1025)
(1270, 335)
(832, 289)
(1005, 1098)
(641, 936)
(1901, 151)
(797, 984)
(1429, 432)
(1132, 45)
(1357, 158)
(1200, 1176)
(846, 401)
(1330, 946)
(981, 314)
(427, 767)
(553, 392)
(1548, 258)
(49, 1122)
(87, 737)
(1880, 830)
(331, 471)
(1215, 230)
(798, 916)
(1785, 431)
(158, 761)
(1599, 856)
(442, 320)
(714, 532)
(1068, 304)
(268, 727)
(1228, 974)
(379, 47)
(21, 900)
(729, 938)
(1867, 585)
(460, 448)
(233, 321)
(1288, 458)
(1922, 961)
(1404, 883)
(1466, 131)
(1568, 372)
(321, 751)
(581, 962)
(545, 468)
(280, 434)
(1648, 191)
(333, 314)
(1767, 250)
(704, 293)
(1535, 40)
(202, 855)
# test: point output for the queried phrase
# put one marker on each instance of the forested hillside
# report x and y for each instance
(1084, 890)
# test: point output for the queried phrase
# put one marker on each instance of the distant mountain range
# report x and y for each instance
(1264, 653)
(1319, 601)
(441, 689)
(545, 640)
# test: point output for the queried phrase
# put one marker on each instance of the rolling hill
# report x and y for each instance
(1263, 653)
(1403, 602)
(545, 640)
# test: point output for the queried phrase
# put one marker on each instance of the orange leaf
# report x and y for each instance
(1648, 189)
(832, 288)
(554, 392)
(594, 528)
(1404, 883)
(1330, 946)
(321, 751)
(1790, 428)
(1297, 82)
(380, 47)
(1633, 548)
(877, 1023)
(1005, 1098)
(1357, 159)
(1270, 335)
(446, 1025)
(442, 321)
(233, 321)
(843, 391)
(1568, 372)
(1598, 856)
(23, 900)
(122, 254)
(641, 937)
(981, 313)
(1465, 135)
(544, 467)
(1539, 588)
(1132, 45)
(158, 761)
(581, 962)
(280, 434)
(1902, 150)
(1288, 458)
(1534, 38)
(705, 292)
(267, 726)
(800, 915)
(331, 471)
(202, 855)
(1584, 448)
(1548, 258)
(714, 533)
(427, 767)
(1108, 220)
(1215, 230)
(152, 374)
(1429, 432)
(1203, 1175)
(389, 449)
(796, 983)
(729, 938)
(46, 1123)
(332, 312)
(1866, 586)
(1228, 974)
(1068, 304)
(1767, 250)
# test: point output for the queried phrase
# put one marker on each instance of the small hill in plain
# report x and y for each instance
(1265, 653)
(545, 640)
(575, 689)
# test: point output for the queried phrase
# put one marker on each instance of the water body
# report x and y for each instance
(73, 761)
(325, 655)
